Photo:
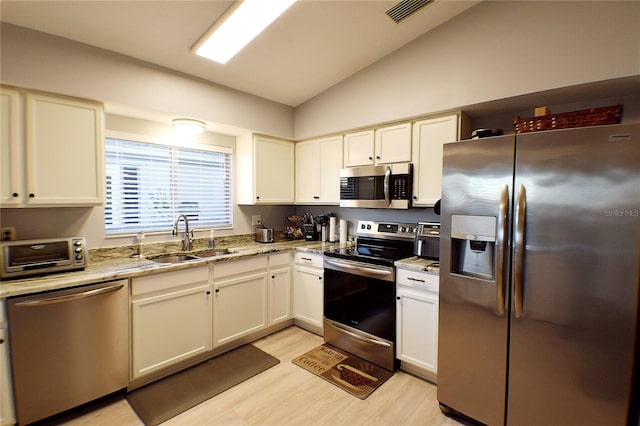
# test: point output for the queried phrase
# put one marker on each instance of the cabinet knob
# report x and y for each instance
(208, 292)
(398, 297)
(370, 158)
(377, 157)
(316, 197)
(217, 290)
(257, 197)
(273, 277)
(32, 195)
(319, 278)
(14, 195)
(415, 197)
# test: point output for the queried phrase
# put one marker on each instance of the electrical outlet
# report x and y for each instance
(8, 233)
(256, 220)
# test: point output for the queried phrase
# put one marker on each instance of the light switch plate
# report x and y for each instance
(256, 220)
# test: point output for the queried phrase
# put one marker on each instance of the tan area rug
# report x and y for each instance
(348, 372)
(166, 398)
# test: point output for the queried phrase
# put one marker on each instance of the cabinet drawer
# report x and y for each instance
(417, 279)
(166, 280)
(306, 258)
(225, 269)
(279, 259)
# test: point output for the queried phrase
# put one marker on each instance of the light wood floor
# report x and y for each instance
(288, 395)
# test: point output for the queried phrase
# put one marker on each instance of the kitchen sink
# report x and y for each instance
(173, 258)
(215, 252)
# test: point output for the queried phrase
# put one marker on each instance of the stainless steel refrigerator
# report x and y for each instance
(540, 237)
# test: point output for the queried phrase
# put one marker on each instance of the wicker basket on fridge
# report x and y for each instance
(565, 120)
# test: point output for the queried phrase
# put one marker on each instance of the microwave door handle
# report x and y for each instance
(387, 179)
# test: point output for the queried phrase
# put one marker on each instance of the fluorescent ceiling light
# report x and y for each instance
(248, 19)
(188, 126)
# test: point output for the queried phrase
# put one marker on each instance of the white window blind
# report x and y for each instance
(148, 185)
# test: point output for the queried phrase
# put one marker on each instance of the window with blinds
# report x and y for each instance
(148, 185)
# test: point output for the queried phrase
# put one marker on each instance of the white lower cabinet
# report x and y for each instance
(239, 299)
(417, 323)
(170, 318)
(280, 288)
(308, 291)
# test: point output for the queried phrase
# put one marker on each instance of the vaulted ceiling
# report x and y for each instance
(313, 46)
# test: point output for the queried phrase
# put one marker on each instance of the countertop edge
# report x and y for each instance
(119, 268)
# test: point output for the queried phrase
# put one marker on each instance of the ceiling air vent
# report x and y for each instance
(406, 8)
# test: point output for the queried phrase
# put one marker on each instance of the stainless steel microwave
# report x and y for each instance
(386, 186)
(37, 257)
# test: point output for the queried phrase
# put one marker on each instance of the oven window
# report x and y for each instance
(38, 253)
(360, 302)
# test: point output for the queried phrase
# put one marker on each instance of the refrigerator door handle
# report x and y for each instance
(500, 259)
(519, 241)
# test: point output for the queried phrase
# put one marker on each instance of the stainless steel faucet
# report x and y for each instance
(187, 239)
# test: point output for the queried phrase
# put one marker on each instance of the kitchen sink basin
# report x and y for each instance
(214, 252)
(173, 258)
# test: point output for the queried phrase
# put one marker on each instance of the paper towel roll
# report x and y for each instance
(332, 229)
(344, 226)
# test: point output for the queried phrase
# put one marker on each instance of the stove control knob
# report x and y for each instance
(368, 226)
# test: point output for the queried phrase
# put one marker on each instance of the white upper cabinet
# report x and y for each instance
(265, 170)
(393, 144)
(11, 152)
(60, 159)
(429, 137)
(318, 164)
(386, 145)
(358, 148)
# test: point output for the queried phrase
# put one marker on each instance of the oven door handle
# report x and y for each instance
(362, 338)
(355, 268)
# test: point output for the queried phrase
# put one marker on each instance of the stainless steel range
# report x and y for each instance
(359, 291)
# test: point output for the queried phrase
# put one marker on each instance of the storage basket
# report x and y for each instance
(565, 120)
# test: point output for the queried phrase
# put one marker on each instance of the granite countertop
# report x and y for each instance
(118, 262)
(419, 264)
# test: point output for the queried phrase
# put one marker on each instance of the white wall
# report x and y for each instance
(89, 221)
(35, 60)
(493, 51)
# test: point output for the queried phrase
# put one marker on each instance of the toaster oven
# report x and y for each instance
(43, 256)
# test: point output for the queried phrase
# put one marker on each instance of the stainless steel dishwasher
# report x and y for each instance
(68, 347)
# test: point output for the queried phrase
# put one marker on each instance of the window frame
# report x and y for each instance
(171, 142)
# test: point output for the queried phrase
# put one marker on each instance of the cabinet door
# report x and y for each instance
(417, 329)
(393, 144)
(308, 172)
(240, 307)
(280, 295)
(170, 327)
(274, 168)
(308, 305)
(358, 148)
(11, 156)
(331, 154)
(65, 153)
(429, 136)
